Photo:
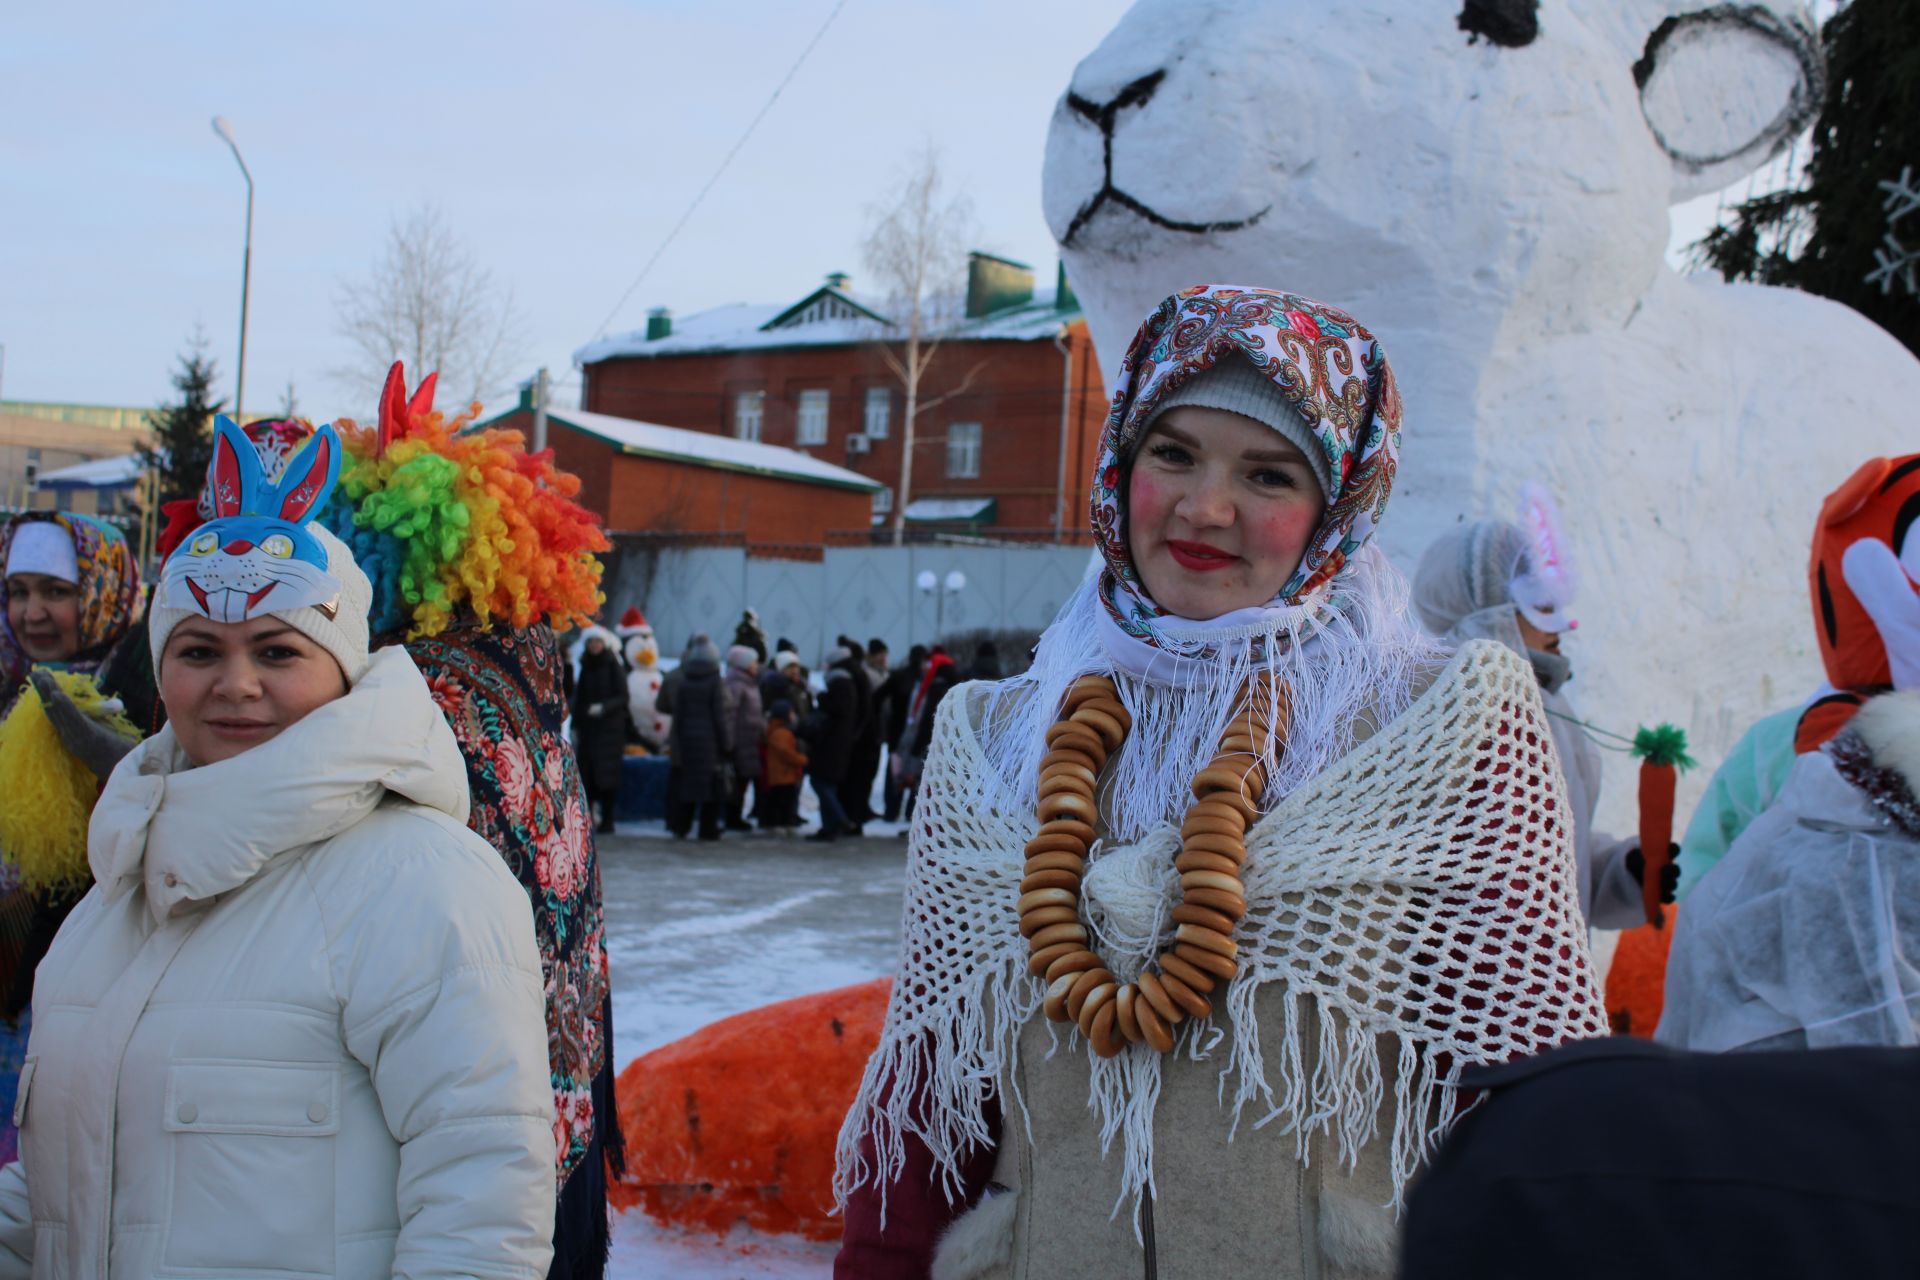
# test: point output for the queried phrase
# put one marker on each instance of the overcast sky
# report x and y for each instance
(561, 141)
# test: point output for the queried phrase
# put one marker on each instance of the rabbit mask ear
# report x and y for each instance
(309, 478)
(1724, 88)
(233, 474)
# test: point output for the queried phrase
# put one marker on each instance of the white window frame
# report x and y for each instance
(963, 450)
(810, 416)
(877, 413)
(883, 502)
(749, 415)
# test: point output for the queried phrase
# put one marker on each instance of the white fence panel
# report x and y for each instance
(863, 592)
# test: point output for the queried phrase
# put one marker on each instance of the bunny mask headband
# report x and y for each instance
(257, 555)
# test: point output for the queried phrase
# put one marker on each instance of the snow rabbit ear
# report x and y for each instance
(1725, 87)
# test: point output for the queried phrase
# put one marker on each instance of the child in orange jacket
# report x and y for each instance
(786, 766)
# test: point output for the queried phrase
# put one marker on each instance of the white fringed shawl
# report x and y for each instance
(1421, 885)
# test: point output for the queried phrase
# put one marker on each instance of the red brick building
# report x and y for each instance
(1013, 399)
(640, 477)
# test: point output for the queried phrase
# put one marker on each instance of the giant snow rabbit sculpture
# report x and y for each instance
(1489, 186)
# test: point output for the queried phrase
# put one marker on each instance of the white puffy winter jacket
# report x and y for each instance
(296, 1027)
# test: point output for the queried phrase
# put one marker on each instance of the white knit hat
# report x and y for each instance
(45, 547)
(1237, 387)
(344, 635)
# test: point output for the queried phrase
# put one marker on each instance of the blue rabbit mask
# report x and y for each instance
(257, 555)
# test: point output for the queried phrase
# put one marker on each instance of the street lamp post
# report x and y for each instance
(225, 130)
(932, 584)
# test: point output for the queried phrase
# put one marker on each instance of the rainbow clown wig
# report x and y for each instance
(445, 520)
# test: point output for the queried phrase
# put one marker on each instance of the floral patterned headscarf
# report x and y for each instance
(110, 598)
(1330, 368)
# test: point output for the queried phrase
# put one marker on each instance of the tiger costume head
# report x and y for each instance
(1865, 578)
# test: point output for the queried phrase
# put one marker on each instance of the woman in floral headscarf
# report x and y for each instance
(1207, 910)
(72, 594)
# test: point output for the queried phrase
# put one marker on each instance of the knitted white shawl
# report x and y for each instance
(1421, 887)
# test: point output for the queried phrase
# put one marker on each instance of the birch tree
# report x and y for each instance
(429, 302)
(916, 246)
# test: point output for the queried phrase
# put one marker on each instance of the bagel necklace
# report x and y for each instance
(1213, 835)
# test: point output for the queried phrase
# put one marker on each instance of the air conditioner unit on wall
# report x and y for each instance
(859, 443)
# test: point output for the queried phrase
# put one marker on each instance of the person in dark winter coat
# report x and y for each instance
(939, 676)
(749, 733)
(856, 792)
(784, 677)
(751, 634)
(896, 695)
(1685, 1165)
(832, 729)
(986, 662)
(773, 681)
(600, 721)
(701, 741)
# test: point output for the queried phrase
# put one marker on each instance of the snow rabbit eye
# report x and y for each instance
(278, 545)
(204, 544)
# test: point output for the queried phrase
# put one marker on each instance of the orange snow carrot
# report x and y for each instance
(1663, 753)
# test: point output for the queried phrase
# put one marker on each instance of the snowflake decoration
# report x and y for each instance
(1894, 260)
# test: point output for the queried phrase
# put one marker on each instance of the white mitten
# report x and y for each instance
(1885, 591)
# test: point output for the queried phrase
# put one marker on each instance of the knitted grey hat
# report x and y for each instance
(1236, 386)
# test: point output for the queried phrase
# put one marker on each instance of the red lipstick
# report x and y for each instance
(1198, 556)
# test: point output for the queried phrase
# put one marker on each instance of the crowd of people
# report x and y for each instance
(304, 965)
(744, 729)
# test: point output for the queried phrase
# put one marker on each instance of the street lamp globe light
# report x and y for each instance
(956, 582)
(926, 581)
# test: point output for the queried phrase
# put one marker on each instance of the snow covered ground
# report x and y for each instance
(696, 932)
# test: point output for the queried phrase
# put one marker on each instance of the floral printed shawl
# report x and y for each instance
(500, 689)
(110, 598)
(1330, 368)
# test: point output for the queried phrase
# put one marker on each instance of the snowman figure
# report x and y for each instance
(643, 680)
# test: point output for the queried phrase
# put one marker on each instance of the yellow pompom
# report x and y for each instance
(50, 795)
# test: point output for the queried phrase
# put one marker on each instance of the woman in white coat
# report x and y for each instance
(296, 1026)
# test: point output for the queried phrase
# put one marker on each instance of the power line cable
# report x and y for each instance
(725, 161)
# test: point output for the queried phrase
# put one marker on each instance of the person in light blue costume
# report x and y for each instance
(1740, 791)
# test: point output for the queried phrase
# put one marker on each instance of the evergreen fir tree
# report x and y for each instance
(1822, 236)
(182, 444)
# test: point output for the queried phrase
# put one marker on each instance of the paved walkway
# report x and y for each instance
(697, 931)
